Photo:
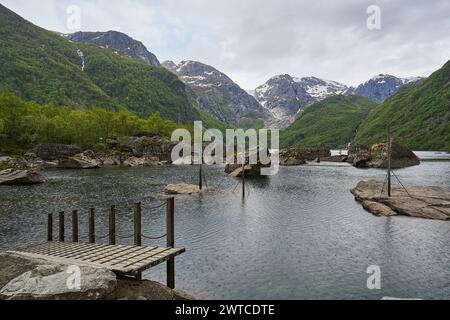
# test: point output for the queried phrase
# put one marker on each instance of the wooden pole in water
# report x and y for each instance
(50, 227)
(389, 161)
(200, 184)
(112, 225)
(137, 224)
(74, 226)
(91, 225)
(61, 227)
(243, 178)
(138, 230)
(171, 241)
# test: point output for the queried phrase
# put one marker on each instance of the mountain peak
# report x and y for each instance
(118, 42)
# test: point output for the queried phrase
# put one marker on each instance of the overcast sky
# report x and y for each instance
(253, 40)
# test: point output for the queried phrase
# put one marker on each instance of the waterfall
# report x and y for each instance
(81, 55)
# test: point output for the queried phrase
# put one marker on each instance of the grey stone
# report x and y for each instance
(415, 201)
(77, 163)
(20, 177)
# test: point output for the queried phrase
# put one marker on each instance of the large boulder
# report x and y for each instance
(20, 177)
(415, 201)
(77, 163)
(251, 169)
(89, 156)
(376, 156)
(112, 159)
(52, 151)
(296, 157)
(152, 147)
(25, 278)
(141, 162)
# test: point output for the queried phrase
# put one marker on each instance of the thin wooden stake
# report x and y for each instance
(171, 241)
(112, 225)
(137, 224)
(389, 162)
(74, 226)
(243, 179)
(61, 227)
(91, 225)
(200, 183)
(50, 227)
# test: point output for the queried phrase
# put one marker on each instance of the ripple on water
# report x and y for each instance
(298, 235)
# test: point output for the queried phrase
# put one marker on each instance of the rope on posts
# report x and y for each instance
(153, 238)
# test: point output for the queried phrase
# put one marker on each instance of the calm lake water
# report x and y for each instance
(298, 235)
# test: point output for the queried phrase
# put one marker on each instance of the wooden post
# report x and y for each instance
(200, 183)
(74, 226)
(61, 227)
(91, 225)
(389, 151)
(112, 225)
(50, 227)
(137, 224)
(243, 179)
(171, 241)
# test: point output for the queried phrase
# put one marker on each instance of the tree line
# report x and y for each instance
(24, 124)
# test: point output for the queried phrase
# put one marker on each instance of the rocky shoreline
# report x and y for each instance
(24, 278)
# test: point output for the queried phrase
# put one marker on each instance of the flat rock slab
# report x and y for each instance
(419, 202)
(20, 177)
(184, 188)
(25, 278)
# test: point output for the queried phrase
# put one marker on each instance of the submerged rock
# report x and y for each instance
(376, 156)
(20, 177)
(420, 202)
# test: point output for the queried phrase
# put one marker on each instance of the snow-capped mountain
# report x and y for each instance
(217, 94)
(117, 42)
(285, 96)
(382, 87)
(321, 89)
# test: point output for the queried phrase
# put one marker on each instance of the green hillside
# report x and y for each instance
(43, 67)
(331, 123)
(419, 116)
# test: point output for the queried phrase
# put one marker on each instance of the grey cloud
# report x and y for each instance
(252, 40)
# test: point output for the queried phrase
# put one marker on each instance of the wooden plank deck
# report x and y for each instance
(126, 260)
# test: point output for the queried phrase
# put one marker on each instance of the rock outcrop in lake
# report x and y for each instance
(250, 169)
(77, 163)
(183, 188)
(24, 278)
(415, 201)
(296, 157)
(376, 156)
(20, 177)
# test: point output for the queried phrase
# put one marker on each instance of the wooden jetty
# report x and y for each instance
(126, 260)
